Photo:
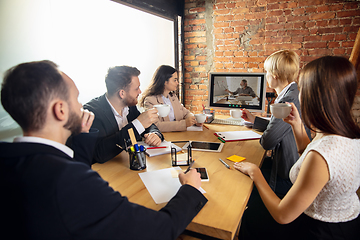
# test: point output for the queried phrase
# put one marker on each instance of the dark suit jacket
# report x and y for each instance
(48, 195)
(109, 134)
(278, 136)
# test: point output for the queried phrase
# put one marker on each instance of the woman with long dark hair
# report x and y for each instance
(162, 91)
(322, 203)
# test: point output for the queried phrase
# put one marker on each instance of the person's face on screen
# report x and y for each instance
(133, 92)
(173, 83)
(243, 84)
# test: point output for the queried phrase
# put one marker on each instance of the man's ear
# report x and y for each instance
(60, 110)
(122, 93)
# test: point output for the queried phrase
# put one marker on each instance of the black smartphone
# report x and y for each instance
(203, 174)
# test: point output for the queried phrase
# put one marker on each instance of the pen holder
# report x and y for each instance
(134, 160)
(210, 115)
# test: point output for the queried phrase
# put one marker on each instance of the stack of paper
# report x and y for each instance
(163, 148)
(237, 135)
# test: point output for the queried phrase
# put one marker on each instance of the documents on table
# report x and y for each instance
(163, 148)
(194, 128)
(237, 135)
(162, 184)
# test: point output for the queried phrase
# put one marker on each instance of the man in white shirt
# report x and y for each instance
(116, 112)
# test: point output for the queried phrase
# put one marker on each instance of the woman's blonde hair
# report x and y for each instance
(284, 65)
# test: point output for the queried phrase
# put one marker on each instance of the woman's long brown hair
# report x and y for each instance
(328, 86)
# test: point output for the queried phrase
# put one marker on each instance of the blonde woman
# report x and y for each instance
(282, 69)
(162, 91)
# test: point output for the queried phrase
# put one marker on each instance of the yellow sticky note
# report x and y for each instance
(236, 158)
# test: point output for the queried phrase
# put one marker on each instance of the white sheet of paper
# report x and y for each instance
(194, 128)
(161, 184)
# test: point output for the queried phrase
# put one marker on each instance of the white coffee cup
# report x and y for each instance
(235, 113)
(280, 110)
(163, 109)
(200, 118)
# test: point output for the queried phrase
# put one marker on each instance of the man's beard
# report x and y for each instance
(74, 123)
(130, 102)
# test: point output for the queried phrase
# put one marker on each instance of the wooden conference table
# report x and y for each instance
(227, 191)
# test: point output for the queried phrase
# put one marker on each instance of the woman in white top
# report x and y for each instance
(322, 201)
(162, 91)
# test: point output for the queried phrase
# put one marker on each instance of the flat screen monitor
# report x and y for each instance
(237, 90)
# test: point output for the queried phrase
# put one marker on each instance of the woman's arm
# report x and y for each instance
(313, 176)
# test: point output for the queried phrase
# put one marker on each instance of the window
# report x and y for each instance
(85, 38)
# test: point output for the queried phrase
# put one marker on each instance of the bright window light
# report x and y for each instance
(85, 38)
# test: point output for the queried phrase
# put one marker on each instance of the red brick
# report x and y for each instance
(318, 52)
(195, 34)
(340, 37)
(348, 13)
(224, 18)
(197, 10)
(328, 37)
(275, 13)
(334, 44)
(222, 12)
(356, 21)
(324, 8)
(346, 21)
(201, 45)
(197, 39)
(322, 23)
(188, 46)
(330, 30)
(304, 3)
(334, 22)
(222, 24)
(347, 44)
(274, 26)
(351, 29)
(230, 5)
(312, 38)
(352, 5)
(297, 18)
(336, 7)
(196, 22)
(339, 51)
(315, 45)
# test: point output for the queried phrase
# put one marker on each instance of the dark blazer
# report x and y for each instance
(109, 134)
(48, 195)
(278, 136)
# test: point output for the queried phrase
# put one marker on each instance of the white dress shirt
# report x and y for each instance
(122, 119)
(68, 151)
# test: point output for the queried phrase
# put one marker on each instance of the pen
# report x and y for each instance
(222, 140)
(226, 165)
(138, 155)
(156, 147)
(205, 126)
(188, 169)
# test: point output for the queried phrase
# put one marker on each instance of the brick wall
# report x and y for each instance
(237, 36)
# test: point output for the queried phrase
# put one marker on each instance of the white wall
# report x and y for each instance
(85, 38)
